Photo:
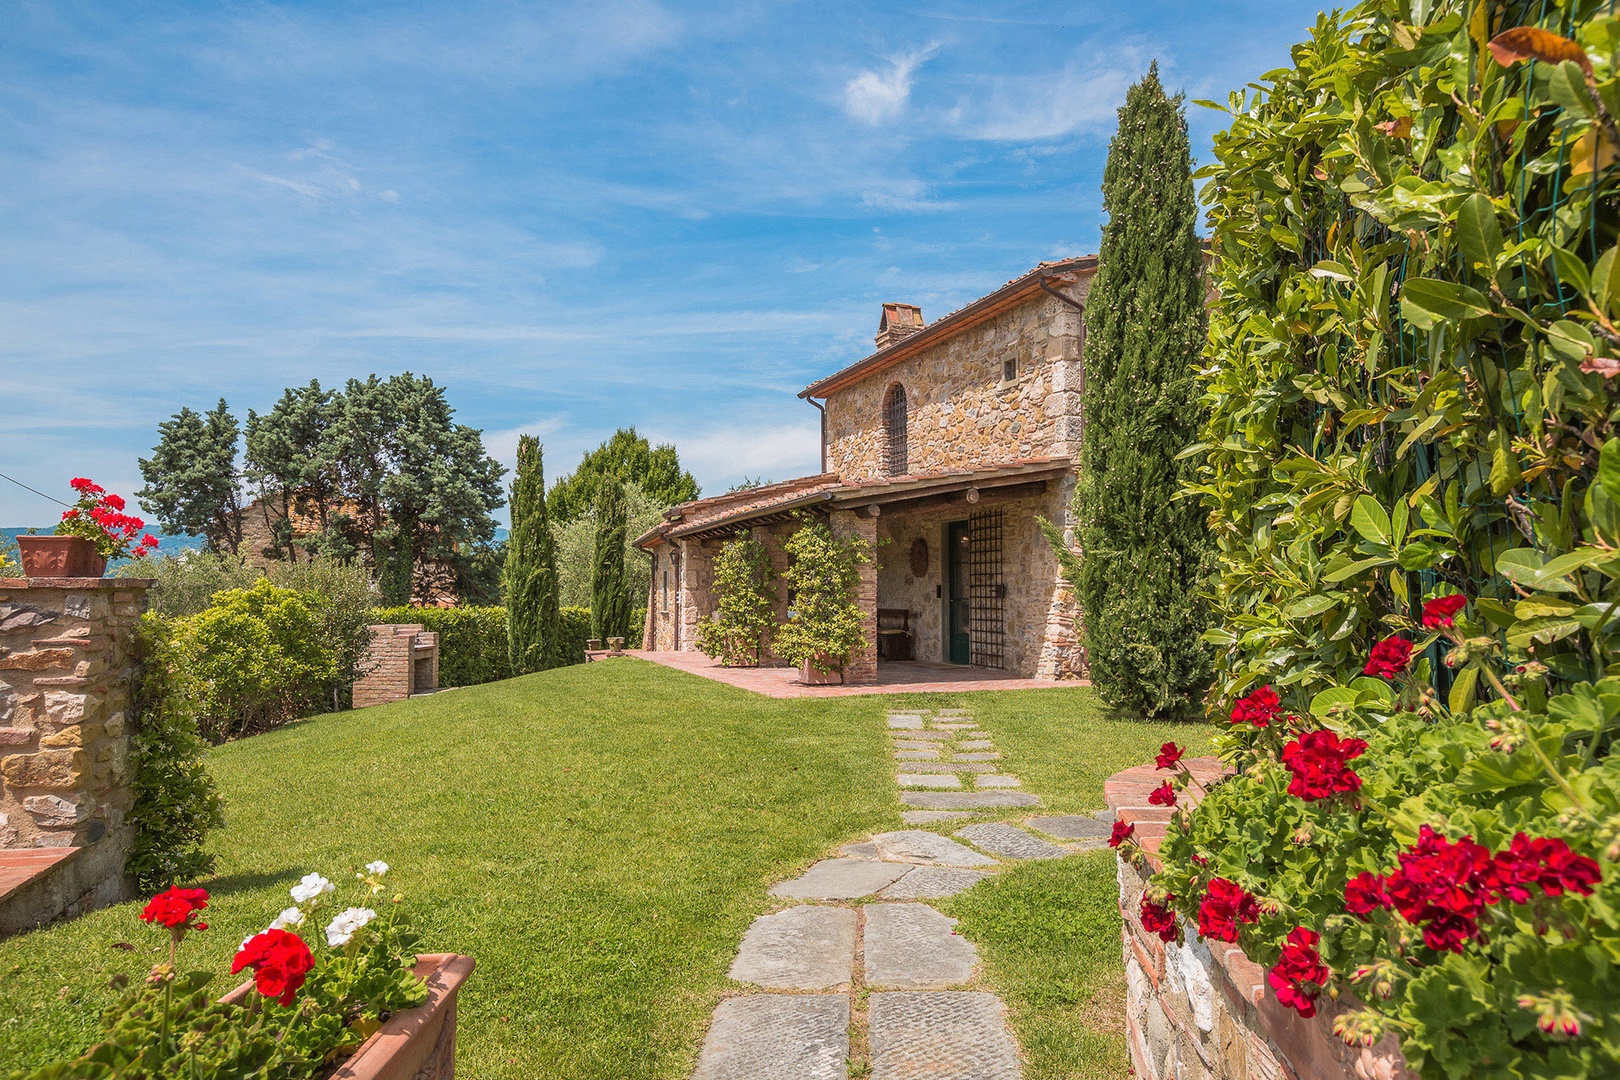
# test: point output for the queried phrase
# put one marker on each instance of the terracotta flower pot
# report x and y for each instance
(60, 556)
(414, 1043)
(811, 675)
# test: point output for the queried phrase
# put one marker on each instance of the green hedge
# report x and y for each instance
(472, 640)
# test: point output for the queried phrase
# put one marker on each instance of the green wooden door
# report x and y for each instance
(959, 610)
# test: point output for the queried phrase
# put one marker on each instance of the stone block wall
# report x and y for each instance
(67, 666)
(403, 660)
(961, 414)
(1197, 1010)
(861, 669)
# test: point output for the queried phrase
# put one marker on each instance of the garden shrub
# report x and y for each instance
(745, 610)
(185, 583)
(824, 627)
(472, 640)
(1415, 493)
(576, 631)
(176, 803)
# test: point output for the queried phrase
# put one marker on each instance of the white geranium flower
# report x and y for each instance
(345, 923)
(312, 887)
(288, 917)
(378, 868)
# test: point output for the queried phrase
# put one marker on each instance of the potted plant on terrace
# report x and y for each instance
(353, 1002)
(824, 627)
(745, 590)
(90, 533)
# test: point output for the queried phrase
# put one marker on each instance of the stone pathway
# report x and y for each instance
(892, 967)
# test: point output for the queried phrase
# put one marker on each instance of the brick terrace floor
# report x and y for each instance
(894, 677)
(19, 866)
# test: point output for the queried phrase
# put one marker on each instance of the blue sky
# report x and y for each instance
(576, 217)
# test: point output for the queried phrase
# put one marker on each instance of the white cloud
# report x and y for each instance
(878, 96)
(1079, 99)
(721, 456)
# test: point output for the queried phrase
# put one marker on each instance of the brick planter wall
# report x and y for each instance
(66, 670)
(1197, 1010)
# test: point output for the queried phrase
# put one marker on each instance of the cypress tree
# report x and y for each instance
(533, 609)
(1143, 550)
(610, 587)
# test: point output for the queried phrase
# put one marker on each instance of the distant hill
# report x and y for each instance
(167, 545)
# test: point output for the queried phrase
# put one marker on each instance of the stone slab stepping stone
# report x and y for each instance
(777, 1037)
(863, 850)
(840, 879)
(950, 767)
(1009, 841)
(952, 712)
(976, 800)
(920, 736)
(978, 755)
(932, 882)
(914, 947)
(929, 780)
(916, 744)
(956, 727)
(916, 755)
(1070, 827)
(997, 781)
(929, 817)
(976, 744)
(905, 721)
(802, 948)
(921, 846)
(940, 1035)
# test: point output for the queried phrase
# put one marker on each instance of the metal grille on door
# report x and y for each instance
(986, 588)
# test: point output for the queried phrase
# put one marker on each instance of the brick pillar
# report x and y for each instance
(67, 668)
(862, 666)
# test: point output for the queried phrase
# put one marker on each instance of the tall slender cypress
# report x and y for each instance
(533, 608)
(610, 587)
(1143, 551)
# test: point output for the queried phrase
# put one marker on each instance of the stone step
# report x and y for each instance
(927, 848)
(1009, 842)
(975, 800)
(842, 879)
(978, 755)
(777, 1037)
(928, 780)
(914, 947)
(802, 948)
(905, 722)
(998, 781)
(930, 817)
(940, 1035)
(950, 767)
(920, 736)
(932, 882)
(976, 744)
(1071, 827)
(916, 755)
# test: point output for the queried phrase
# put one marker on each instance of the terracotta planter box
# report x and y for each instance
(811, 675)
(419, 1042)
(60, 556)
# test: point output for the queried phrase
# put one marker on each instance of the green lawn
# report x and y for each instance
(599, 838)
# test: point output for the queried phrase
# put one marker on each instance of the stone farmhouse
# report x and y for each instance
(941, 448)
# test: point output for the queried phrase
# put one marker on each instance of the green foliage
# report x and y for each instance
(576, 549)
(745, 608)
(10, 558)
(259, 658)
(532, 597)
(824, 571)
(610, 594)
(343, 595)
(176, 802)
(293, 460)
(191, 477)
(187, 581)
(630, 459)
(472, 640)
(1143, 548)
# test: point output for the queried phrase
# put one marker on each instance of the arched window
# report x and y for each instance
(894, 431)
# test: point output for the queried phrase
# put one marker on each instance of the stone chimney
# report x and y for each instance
(898, 321)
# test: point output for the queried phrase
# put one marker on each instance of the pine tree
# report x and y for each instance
(533, 611)
(610, 588)
(1143, 550)
(191, 477)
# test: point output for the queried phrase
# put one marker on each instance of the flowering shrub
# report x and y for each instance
(312, 1002)
(745, 604)
(824, 627)
(99, 516)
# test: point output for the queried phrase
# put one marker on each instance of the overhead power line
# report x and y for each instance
(36, 491)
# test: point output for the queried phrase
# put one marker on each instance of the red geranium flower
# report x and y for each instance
(1224, 906)
(1544, 861)
(1258, 708)
(1159, 919)
(1441, 612)
(1442, 886)
(1299, 973)
(1163, 795)
(175, 908)
(1169, 754)
(1122, 832)
(1318, 760)
(1364, 894)
(280, 961)
(1389, 658)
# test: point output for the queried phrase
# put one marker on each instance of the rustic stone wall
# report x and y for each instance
(861, 668)
(67, 666)
(697, 587)
(1197, 1010)
(961, 414)
(403, 660)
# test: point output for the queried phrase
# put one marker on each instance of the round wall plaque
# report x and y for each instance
(919, 557)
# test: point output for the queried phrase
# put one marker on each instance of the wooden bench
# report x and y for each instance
(894, 641)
